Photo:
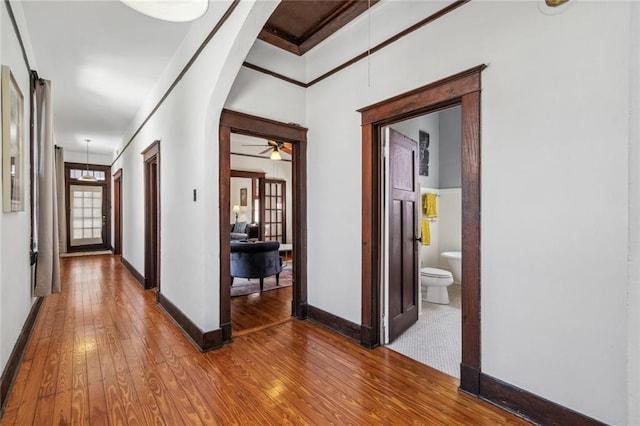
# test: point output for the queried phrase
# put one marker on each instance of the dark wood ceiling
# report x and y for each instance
(299, 25)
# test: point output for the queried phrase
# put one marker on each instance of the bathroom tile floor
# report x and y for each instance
(436, 340)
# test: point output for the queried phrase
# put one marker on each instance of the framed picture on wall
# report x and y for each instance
(243, 197)
(12, 143)
(423, 147)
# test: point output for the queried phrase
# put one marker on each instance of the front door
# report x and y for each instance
(88, 220)
(87, 203)
(404, 194)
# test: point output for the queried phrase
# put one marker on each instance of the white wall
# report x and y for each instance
(548, 121)
(633, 315)
(81, 157)
(244, 215)
(15, 278)
(280, 60)
(259, 94)
(187, 126)
(450, 155)
(449, 222)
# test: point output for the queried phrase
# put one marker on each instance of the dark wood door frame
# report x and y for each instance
(151, 173)
(106, 184)
(235, 122)
(460, 89)
(117, 212)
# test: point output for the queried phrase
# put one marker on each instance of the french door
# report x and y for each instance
(275, 211)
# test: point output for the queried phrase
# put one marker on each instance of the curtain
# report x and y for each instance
(62, 223)
(48, 267)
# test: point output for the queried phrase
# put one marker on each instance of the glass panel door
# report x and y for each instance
(86, 215)
(274, 210)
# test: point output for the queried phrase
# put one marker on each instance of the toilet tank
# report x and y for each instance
(454, 261)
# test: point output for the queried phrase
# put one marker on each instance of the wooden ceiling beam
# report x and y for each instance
(336, 21)
(273, 37)
(347, 12)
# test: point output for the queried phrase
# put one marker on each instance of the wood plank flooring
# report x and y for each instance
(259, 309)
(103, 353)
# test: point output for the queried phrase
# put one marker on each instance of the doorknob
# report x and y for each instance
(418, 239)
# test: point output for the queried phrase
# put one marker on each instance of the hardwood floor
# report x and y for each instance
(103, 352)
(251, 312)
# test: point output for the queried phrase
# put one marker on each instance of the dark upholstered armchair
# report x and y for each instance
(257, 259)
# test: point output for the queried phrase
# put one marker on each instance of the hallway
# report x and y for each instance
(103, 352)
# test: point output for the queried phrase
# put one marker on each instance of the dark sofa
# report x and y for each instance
(244, 231)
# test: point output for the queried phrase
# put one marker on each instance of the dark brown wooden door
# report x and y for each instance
(152, 216)
(404, 193)
(117, 212)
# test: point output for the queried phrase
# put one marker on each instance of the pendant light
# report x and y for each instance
(170, 10)
(86, 177)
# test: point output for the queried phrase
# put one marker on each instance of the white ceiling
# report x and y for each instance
(103, 58)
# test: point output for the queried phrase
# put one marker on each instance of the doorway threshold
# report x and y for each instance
(260, 327)
(85, 253)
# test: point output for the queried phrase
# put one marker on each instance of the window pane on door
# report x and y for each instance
(274, 210)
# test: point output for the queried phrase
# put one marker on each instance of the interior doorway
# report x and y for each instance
(460, 89)
(117, 212)
(434, 337)
(151, 158)
(261, 288)
(88, 202)
(283, 137)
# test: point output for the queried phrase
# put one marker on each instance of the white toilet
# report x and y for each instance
(435, 281)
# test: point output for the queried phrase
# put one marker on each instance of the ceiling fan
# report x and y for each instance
(275, 148)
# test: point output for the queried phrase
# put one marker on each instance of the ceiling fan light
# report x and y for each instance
(170, 10)
(275, 155)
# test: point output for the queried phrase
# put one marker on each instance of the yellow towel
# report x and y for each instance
(429, 205)
(426, 232)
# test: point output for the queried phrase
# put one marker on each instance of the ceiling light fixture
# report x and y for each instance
(170, 10)
(554, 7)
(275, 154)
(86, 177)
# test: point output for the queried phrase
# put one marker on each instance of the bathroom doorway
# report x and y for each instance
(434, 338)
(462, 89)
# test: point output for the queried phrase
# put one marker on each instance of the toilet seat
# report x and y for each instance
(435, 273)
